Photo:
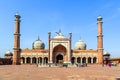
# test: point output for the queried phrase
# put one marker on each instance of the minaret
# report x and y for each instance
(70, 55)
(16, 55)
(49, 37)
(100, 40)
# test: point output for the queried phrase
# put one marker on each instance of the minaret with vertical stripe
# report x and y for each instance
(100, 40)
(16, 55)
(49, 37)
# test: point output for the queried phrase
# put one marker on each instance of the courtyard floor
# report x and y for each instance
(32, 72)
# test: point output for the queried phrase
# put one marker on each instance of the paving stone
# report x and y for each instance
(32, 72)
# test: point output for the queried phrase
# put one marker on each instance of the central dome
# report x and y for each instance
(38, 44)
(80, 45)
(59, 36)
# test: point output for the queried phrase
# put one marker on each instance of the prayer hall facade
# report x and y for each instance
(59, 49)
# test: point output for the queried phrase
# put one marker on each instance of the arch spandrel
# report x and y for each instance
(59, 45)
(63, 44)
(59, 48)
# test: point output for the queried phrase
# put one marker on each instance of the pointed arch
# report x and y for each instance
(45, 60)
(84, 60)
(89, 59)
(78, 60)
(22, 60)
(73, 60)
(94, 60)
(40, 60)
(34, 60)
(59, 49)
(28, 60)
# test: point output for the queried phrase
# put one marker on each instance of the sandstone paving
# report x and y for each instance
(32, 72)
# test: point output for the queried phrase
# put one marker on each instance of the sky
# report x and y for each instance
(38, 17)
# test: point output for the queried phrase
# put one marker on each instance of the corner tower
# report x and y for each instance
(100, 40)
(16, 55)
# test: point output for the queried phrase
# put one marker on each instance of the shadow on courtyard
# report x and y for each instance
(117, 78)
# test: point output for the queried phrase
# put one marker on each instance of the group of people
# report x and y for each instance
(111, 64)
(81, 65)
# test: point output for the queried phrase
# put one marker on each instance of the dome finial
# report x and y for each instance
(59, 30)
(38, 37)
(59, 33)
(17, 13)
(80, 38)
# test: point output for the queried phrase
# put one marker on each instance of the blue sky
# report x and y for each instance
(38, 17)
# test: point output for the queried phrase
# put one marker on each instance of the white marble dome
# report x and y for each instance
(8, 53)
(80, 45)
(38, 44)
(59, 36)
(106, 52)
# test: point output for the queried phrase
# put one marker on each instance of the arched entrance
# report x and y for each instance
(73, 60)
(78, 60)
(94, 60)
(45, 60)
(59, 58)
(84, 60)
(34, 60)
(28, 60)
(22, 60)
(89, 59)
(59, 53)
(40, 60)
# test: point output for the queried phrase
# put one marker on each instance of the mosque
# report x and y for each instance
(59, 49)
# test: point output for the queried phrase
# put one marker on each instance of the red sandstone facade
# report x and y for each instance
(59, 49)
(100, 40)
(16, 56)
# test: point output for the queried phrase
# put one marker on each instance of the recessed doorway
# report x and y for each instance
(59, 58)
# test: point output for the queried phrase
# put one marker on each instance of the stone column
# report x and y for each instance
(91, 60)
(21, 61)
(31, 60)
(36, 60)
(81, 60)
(97, 60)
(64, 58)
(86, 60)
(25, 60)
(75, 59)
(42, 60)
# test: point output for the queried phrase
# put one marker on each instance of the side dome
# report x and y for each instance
(8, 54)
(38, 44)
(80, 45)
(106, 53)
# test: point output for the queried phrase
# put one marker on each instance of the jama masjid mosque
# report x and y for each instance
(59, 49)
